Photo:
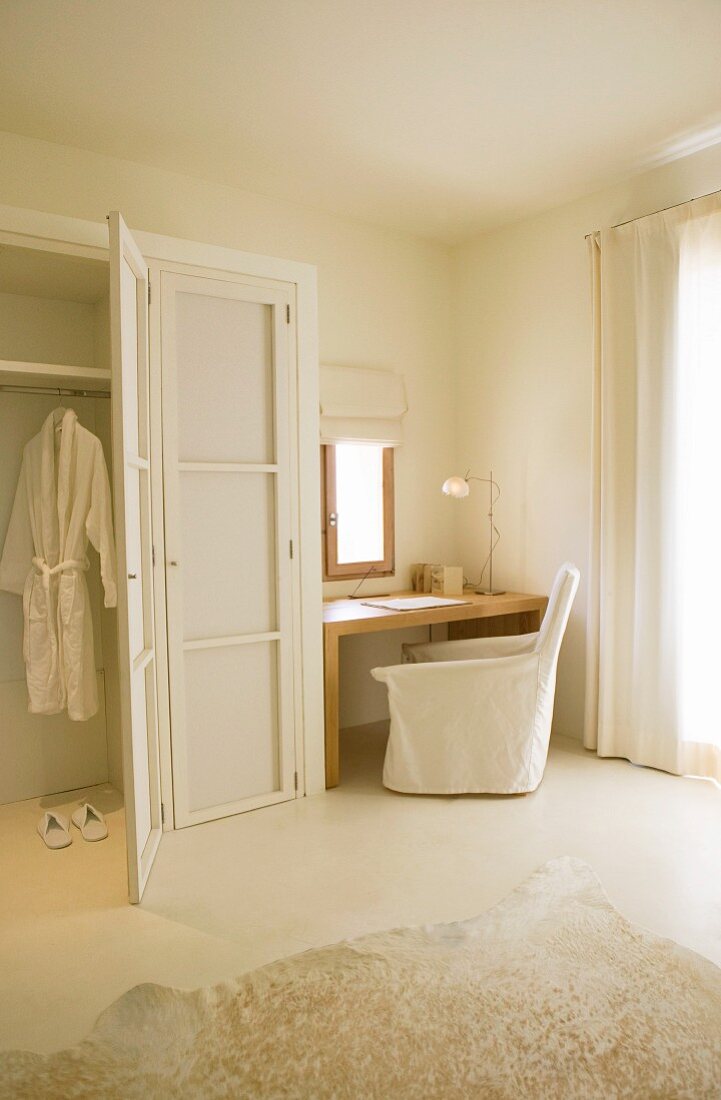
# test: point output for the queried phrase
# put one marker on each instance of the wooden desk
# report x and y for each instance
(482, 617)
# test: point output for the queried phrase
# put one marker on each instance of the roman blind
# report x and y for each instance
(358, 405)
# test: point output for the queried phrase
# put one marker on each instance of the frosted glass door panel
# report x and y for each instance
(225, 380)
(228, 537)
(231, 707)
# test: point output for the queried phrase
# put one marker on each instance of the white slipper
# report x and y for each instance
(90, 822)
(54, 830)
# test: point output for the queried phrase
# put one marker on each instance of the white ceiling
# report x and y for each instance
(442, 117)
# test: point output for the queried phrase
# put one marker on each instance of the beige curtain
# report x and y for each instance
(654, 615)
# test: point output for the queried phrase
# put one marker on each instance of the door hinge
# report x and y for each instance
(291, 548)
(287, 315)
(162, 813)
(148, 291)
(295, 780)
(153, 556)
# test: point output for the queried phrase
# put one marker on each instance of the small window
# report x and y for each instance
(358, 510)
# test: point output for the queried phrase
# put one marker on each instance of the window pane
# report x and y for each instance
(359, 500)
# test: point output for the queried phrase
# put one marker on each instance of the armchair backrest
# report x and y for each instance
(554, 622)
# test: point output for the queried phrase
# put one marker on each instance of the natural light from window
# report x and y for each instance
(359, 502)
(698, 466)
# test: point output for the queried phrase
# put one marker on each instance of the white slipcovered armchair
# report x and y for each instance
(474, 716)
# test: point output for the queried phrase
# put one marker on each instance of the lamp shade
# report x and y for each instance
(456, 487)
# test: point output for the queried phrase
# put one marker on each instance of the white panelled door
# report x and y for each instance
(229, 471)
(131, 477)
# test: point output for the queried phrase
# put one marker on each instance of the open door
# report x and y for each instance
(131, 478)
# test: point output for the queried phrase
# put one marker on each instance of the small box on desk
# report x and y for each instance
(421, 576)
(441, 580)
(447, 580)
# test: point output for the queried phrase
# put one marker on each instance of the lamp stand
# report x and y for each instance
(494, 537)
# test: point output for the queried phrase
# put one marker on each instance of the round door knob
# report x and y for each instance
(132, 576)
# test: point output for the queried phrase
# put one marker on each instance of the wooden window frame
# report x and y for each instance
(332, 570)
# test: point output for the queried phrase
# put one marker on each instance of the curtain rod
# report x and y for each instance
(663, 210)
(55, 390)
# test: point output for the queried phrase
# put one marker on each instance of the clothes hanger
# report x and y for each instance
(59, 425)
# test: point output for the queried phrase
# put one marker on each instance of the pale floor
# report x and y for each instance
(234, 894)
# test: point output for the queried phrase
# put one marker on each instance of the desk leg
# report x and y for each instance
(332, 717)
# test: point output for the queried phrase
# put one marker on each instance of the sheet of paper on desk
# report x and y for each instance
(413, 603)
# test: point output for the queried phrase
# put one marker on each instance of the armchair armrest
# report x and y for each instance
(460, 673)
(469, 649)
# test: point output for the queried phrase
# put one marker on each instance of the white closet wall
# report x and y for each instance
(41, 753)
(47, 330)
(45, 754)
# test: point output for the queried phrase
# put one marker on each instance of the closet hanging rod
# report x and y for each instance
(60, 391)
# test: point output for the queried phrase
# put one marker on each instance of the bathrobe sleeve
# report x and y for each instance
(18, 551)
(99, 525)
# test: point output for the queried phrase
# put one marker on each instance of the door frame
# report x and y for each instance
(65, 234)
(212, 261)
(278, 297)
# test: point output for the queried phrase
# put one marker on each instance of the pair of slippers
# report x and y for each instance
(55, 829)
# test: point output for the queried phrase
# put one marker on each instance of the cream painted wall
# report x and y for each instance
(493, 339)
(524, 388)
(384, 301)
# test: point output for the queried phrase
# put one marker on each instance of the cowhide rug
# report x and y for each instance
(550, 994)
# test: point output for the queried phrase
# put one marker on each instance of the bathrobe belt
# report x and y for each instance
(62, 567)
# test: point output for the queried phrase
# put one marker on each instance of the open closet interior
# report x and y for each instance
(152, 408)
(55, 352)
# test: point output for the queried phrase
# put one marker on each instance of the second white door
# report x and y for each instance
(136, 624)
(229, 471)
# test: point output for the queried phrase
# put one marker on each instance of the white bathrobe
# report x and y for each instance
(62, 500)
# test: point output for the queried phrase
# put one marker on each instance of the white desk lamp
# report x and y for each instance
(459, 488)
